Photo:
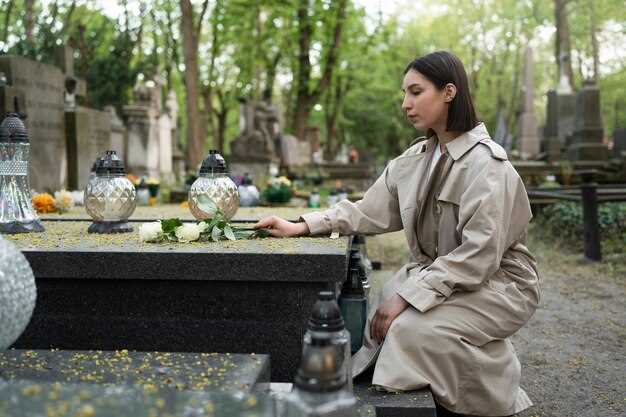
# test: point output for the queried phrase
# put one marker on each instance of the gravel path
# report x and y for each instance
(573, 350)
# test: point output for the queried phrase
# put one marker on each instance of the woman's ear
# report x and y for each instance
(449, 92)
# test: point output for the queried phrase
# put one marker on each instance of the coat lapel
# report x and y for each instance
(412, 172)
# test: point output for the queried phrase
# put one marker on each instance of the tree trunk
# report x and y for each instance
(306, 98)
(562, 41)
(195, 141)
(593, 29)
(270, 77)
(29, 20)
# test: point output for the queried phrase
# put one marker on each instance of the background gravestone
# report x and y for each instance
(527, 131)
(42, 86)
(588, 133)
(619, 143)
(118, 133)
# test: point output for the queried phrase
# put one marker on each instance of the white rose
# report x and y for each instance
(149, 232)
(202, 226)
(188, 232)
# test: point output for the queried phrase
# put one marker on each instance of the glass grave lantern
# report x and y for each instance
(17, 293)
(213, 189)
(110, 196)
(16, 207)
(248, 193)
(322, 386)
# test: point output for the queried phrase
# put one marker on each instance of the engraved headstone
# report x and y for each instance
(42, 87)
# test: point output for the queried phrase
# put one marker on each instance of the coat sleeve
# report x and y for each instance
(494, 212)
(378, 212)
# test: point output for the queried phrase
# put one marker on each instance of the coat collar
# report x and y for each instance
(460, 145)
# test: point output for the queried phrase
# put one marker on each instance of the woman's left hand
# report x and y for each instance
(385, 315)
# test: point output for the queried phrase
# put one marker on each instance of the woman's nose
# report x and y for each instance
(406, 103)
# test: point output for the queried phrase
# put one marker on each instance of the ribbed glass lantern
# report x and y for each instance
(16, 208)
(110, 196)
(17, 293)
(213, 188)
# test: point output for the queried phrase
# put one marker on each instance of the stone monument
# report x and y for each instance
(41, 87)
(254, 150)
(528, 141)
(587, 144)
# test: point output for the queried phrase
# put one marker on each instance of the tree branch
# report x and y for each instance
(7, 21)
(334, 49)
(205, 6)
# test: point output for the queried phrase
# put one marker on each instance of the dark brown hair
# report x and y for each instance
(441, 68)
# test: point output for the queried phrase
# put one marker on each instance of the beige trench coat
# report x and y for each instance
(471, 282)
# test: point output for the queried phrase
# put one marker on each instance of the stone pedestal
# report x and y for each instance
(588, 132)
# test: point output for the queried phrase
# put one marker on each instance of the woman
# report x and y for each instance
(445, 318)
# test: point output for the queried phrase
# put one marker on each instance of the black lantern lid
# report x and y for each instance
(110, 164)
(14, 125)
(326, 316)
(214, 163)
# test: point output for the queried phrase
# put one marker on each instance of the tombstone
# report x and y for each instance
(551, 143)
(118, 133)
(254, 150)
(289, 150)
(587, 142)
(528, 141)
(143, 131)
(88, 135)
(501, 130)
(166, 171)
(41, 86)
(619, 143)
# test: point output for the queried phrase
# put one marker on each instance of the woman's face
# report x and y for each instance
(425, 105)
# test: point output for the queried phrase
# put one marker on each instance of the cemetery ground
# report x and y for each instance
(572, 350)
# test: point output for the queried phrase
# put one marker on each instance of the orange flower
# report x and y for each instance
(184, 204)
(44, 203)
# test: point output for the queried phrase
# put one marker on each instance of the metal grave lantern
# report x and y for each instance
(110, 196)
(17, 293)
(16, 207)
(213, 189)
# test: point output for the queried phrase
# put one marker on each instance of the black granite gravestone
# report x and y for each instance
(112, 292)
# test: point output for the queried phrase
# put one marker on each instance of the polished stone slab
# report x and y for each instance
(150, 370)
(28, 399)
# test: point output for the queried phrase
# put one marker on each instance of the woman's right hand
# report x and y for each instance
(282, 228)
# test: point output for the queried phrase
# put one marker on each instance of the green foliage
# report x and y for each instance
(563, 222)
(169, 225)
(277, 194)
(251, 48)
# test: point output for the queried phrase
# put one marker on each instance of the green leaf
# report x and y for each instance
(207, 205)
(216, 233)
(169, 225)
(228, 232)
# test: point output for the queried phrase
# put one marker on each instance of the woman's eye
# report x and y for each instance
(415, 92)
